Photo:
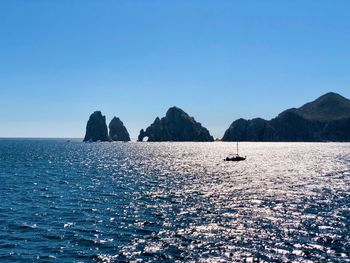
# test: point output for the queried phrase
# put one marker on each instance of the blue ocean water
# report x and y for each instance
(119, 202)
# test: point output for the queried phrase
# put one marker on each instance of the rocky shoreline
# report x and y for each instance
(324, 119)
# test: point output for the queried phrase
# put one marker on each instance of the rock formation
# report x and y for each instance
(117, 130)
(177, 125)
(96, 128)
(325, 119)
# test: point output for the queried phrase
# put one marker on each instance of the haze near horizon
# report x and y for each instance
(217, 60)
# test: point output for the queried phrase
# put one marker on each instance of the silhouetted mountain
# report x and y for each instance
(325, 119)
(96, 128)
(246, 130)
(177, 125)
(328, 107)
(117, 130)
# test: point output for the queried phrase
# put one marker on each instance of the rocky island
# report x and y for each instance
(96, 128)
(324, 119)
(117, 131)
(177, 125)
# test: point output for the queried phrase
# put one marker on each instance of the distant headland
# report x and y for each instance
(324, 119)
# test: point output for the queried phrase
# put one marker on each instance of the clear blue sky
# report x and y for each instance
(218, 60)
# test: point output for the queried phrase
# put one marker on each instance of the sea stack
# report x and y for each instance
(324, 119)
(96, 128)
(177, 125)
(117, 131)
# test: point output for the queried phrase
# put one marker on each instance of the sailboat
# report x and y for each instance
(236, 157)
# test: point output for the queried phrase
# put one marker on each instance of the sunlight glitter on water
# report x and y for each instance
(174, 201)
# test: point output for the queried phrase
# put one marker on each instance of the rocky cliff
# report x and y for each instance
(325, 119)
(96, 128)
(177, 125)
(117, 130)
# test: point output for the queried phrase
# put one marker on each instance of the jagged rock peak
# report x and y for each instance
(117, 130)
(177, 125)
(175, 111)
(96, 128)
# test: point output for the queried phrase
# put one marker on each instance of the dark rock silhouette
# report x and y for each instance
(243, 130)
(325, 119)
(117, 130)
(141, 135)
(96, 128)
(177, 125)
(328, 107)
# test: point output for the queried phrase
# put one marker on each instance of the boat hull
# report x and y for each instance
(234, 159)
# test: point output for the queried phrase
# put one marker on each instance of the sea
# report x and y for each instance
(68, 201)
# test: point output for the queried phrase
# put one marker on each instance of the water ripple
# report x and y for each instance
(120, 202)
